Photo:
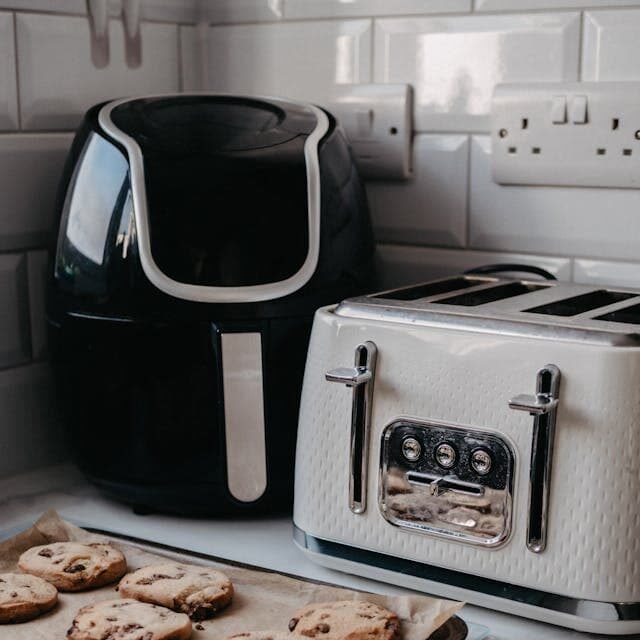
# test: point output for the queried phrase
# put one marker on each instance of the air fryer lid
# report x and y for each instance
(224, 191)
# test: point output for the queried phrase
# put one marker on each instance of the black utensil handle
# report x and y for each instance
(498, 268)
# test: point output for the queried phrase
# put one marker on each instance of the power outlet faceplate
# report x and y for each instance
(377, 121)
(571, 134)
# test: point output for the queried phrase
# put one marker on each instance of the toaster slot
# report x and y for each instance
(430, 289)
(492, 294)
(628, 315)
(582, 303)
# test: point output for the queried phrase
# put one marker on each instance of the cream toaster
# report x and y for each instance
(479, 438)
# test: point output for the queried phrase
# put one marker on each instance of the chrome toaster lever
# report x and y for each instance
(437, 485)
(360, 378)
(543, 406)
(536, 405)
(351, 376)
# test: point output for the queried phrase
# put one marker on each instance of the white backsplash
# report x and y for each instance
(452, 54)
(58, 81)
(449, 216)
(453, 63)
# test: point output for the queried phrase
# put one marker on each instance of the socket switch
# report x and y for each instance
(570, 134)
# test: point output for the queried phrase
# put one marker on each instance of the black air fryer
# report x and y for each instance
(197, 236)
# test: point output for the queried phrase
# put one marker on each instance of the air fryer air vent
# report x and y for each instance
(581, 304)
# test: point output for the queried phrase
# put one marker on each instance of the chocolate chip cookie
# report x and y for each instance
(197, 591)
(128, 620)
(24, 597)
(71, 566)
(345, 620)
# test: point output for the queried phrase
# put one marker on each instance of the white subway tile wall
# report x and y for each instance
(241, 11)
(448, 217)
(15, 341)
(431, 208)
(37, 268)
(63, 6)
(28, 410)
(334, 8)
(611, 45)
(524, 5)
(453, 63)
(30, 168)
(300, 60)
(606, 272)
(47, 81)
(58, 81)
(398, 265)
(598, 223)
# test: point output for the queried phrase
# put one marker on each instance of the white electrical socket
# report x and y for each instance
(572, 134)
(378, 124)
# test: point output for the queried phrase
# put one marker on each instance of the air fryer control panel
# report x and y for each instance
(447, 481)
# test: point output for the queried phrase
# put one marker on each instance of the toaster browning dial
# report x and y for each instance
(446, 455)
(447, 481)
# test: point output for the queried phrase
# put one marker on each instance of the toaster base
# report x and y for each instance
(582, 615)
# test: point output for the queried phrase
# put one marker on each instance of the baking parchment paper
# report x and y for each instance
(263, 599)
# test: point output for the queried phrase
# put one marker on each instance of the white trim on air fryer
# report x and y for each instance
(202, 293)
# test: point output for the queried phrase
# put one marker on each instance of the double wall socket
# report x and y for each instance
(571, 134)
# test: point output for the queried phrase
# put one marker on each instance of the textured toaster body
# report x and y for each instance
(466, 377)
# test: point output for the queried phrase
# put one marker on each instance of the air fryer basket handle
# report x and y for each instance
(523, 268)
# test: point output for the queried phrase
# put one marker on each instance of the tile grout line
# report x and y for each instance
(581, 44)
(372, 49)
(16, 67)
(474, 11)
(467, 230)
(551, 9)
(35, 132)
(180, 61)
(27, 307)
(553, 256)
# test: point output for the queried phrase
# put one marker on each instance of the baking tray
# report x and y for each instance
(265, 597)
(454, 629)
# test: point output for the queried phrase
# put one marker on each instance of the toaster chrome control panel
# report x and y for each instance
(447, 481)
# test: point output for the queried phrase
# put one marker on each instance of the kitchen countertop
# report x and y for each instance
(264, 542)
